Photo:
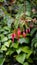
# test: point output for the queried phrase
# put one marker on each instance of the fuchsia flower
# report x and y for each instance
(18, 32)
(28, 30)
(13, 36)
(24, 34)
(16, 35)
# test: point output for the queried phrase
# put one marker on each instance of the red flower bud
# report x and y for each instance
(28, 30)
(18, 32)
(13, 36)
(24, 34)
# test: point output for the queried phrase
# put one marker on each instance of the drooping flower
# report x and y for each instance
(24, 34)
(28, 30)
(18, 32)
(13, 36)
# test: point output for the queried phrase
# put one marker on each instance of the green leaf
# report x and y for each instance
(9, 52)
(2, 61)
(30, 60)
(5, 33)
(6, 28)
(26, 63)
(28, 13)
(18, 50)
(21, 58)
(26, 49)
(1, 51)
(24, 40)
(9, 36)
(1, 30)
(7, 44)
(4, 39)
(3, 48)
(34, 42)
(35, 45)
(2, 36)
(28, 55)
(33, 31)
(1, 55)
(15, 45)
(28, 8)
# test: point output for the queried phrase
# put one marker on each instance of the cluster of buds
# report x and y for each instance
(18, 34)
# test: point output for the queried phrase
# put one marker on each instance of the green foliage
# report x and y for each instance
(33, 31)
(2, 61)
(20, 58)
(23, 48)
(1, 0)
(26, 63)
(24, 40)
